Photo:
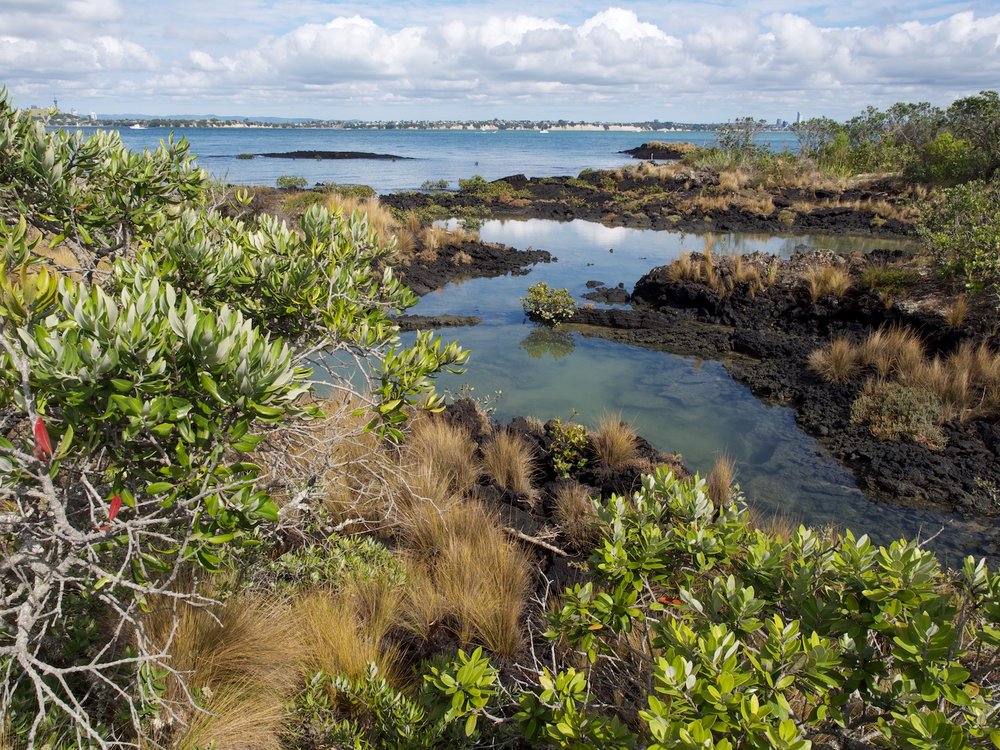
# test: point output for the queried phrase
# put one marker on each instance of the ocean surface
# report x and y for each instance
(448, 155)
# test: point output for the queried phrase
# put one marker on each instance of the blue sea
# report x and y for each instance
(448, 155)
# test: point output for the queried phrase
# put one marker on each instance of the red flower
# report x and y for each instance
(43, 445)
(116, 505)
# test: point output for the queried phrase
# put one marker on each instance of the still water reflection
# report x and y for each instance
(680, 404)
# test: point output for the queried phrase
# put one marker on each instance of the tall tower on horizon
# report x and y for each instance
(55, 104)
(798, 117)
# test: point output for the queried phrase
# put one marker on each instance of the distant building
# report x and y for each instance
(798, 117)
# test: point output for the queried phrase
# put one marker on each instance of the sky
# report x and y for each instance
(624, 61)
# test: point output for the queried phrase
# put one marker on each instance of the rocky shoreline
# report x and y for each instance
(684, 199)
(765, 339)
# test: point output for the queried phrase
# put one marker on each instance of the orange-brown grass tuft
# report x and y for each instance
(823, 281)
(721, 480)
(732, 180)
(484, 579)
(575, 514)
(615, 442)
(379, 218)
(442, 458)
(341, 633)
(893, 349)
(837, 362)
(510, 461)
(954, 314)
(241, 661)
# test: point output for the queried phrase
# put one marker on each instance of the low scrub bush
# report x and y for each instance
(575, 514)
(747, 629)
(291, 182)
(961, 227)
(545, 304)
(888, 279)
(568, 448)
(896, 411)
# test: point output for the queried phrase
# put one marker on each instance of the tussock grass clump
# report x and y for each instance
(510, 461)
(473, 579)
(342, 633)
(443, 457)
(721, 480)
(837, 362)
(575, 514)
(954, 314)
(732, 180)
(484, 579)
(745, 273)
(241, 659)
(894, 349)
(380, 219)
(699, 268)
(822, 281)
(615, 442)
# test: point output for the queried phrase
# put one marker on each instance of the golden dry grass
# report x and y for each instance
(744, 273)
(823, 281)
(954, 314)
(484, 579)
(893, 349)
(732, 180)
(461, 258)
(575, 514)
(380, 219)
(510, 461)
(615, 442)
(442, 458)
(837, 362)
(241, 660)
(721, 480)
(342, 633)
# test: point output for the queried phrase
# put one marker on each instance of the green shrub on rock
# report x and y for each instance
(896, 411)
(545, 304)
(961, 227)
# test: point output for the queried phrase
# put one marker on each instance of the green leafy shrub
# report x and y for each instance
(895, 411)
(752, 640)
(945, 160)
(135, 390)
(547, 305)
(370, 713)
(498, 190)
(334, 563)
(291, 182)
(567, 451)
(961, 227)
(434, 185)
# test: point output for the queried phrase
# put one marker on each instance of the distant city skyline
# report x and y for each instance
(378, 60)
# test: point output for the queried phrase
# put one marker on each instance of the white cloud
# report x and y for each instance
(644, 60)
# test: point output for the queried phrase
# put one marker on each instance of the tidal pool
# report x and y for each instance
(681, 404)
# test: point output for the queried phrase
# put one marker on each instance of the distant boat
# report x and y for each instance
(543, 131)
(137, 126)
